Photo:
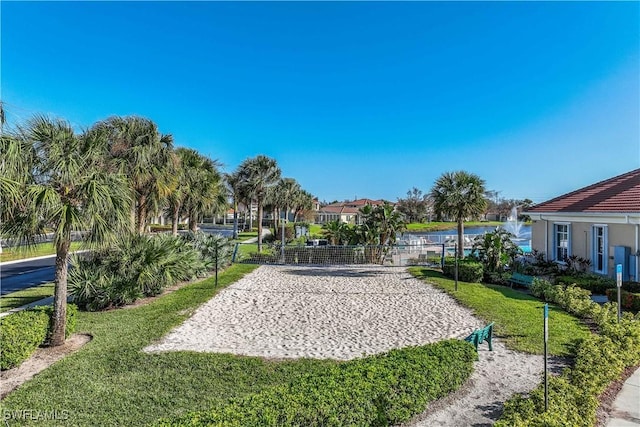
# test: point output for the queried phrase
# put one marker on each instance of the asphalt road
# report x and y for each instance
(26, 274)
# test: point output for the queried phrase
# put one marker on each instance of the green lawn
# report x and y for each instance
(41, 249)
(438, 226)
(518, 317)
(110, 381)
(25, 296)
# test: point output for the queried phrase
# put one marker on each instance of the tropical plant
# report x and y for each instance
(234, 188)
(258, 174)
(138, 265)
(337, 232)
(495, 249)
(283, 196)
(65, 186)
(459, 195)
(201, 184)
(146, 157)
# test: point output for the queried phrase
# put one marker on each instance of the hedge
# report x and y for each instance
(468, 270)
(23, 332)
(379, 390)
(600, 360)
(592, 282)
(628, 300)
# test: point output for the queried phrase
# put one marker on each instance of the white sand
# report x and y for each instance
(346, 312)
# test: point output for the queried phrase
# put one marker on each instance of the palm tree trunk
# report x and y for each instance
(59, 320)
(193, 221)
(141, 220)
(175, 219)
(460, 238)
(235, 219)
(259, 225)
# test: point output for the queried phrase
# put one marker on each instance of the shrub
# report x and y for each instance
(23, 332)
(380, 390)
(468, 270)
(138, 266)
(628, 300)
(600, 360)
(593, 282)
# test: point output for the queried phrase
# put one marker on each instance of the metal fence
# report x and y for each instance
(392, 255)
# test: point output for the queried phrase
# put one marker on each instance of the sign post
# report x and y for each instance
(619, 285)
(455, 253)
(546, 338)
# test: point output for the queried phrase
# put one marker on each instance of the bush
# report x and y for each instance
(628, 300)
(23, 332)
(142, 266)
(595, 283)
(600, 360)
(468, 270)
(380, 390)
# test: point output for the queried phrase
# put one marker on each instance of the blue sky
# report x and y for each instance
(353, 99)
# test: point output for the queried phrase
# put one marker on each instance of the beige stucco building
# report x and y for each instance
(600, 223)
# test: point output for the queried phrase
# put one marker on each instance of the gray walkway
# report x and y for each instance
(626, 407)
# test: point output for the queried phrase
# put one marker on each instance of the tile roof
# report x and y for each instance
(617, 194)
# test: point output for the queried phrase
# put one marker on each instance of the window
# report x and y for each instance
(600, 249)
(561, 242)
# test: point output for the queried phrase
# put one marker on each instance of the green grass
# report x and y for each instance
(439, 226)
(110, 381)
(245, 235)
(25, 296)
(41, 249)
(518, 317)
(315, 230)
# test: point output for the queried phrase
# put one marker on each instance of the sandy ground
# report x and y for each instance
(321, 312)
(346, 312)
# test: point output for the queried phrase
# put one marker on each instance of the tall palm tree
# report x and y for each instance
(302, 203)
(234, 186)
(459, 195)
(285, 193)
(259, 173)
(202, 186)
(146, 157)
(67, 186)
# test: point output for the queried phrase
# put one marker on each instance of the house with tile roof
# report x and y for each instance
(347, 211)
(600, 223)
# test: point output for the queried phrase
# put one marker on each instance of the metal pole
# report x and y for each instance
(283, 239)
(619, 286)
(546, 338)
(216, 264)
(456, 264)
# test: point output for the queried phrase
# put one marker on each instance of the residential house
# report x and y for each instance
(347, 211)
(600, 223)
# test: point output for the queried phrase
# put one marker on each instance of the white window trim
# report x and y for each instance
(605, 248)
(555, 244)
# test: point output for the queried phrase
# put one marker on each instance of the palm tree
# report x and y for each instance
(146, 157)
(302, 203)
(234, 186)
(459, 195)
(66, 186)
(258, 174)
(202, 185)
(285, 193)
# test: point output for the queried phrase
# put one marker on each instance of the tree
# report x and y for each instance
(68, 186)
(285, 193)
(146, 157)
(415, 207)
(258, 174)
(234, 187)
(459, 195)
(202, 185)
(303, 205)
